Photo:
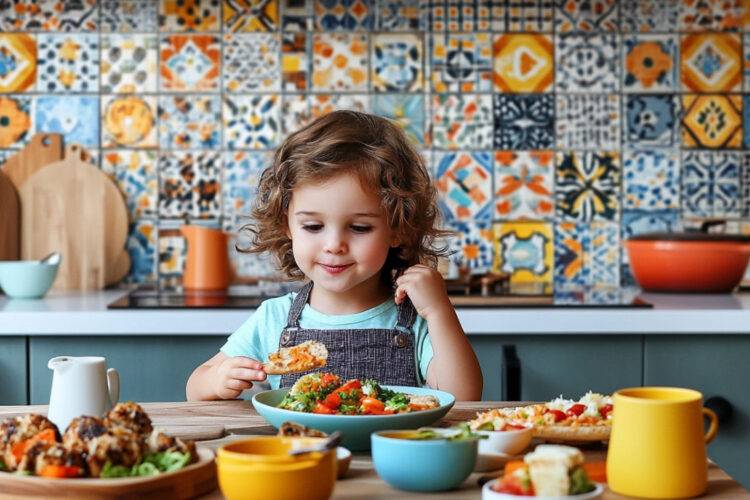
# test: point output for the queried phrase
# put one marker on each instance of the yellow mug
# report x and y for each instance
(657, 448)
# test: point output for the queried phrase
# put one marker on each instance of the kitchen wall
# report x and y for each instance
(554, 129)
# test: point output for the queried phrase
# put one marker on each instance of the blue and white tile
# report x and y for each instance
(75, 117)
(711, 184)
(651, 179)
(652, 120)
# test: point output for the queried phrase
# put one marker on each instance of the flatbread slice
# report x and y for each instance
(572, 434)
(299, 358)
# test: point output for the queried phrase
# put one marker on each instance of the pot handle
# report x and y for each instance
(707, 224)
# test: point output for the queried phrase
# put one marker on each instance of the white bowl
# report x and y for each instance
(489, 494)
(511, 442)
(343, 459)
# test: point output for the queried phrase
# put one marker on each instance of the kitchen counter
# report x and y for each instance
(237, 419)
(86, 313)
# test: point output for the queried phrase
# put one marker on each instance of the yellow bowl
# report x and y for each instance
(261, 467)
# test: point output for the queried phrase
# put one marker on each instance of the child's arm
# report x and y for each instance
(454, 366)
(223, 377)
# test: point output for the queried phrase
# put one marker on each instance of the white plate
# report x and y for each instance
(489, 494)
(493, 461)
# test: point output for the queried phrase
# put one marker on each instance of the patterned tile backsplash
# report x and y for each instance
(554, 129)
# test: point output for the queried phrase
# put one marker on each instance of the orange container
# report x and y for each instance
(207, 265)
(685, 262)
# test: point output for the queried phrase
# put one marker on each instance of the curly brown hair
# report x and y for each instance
(379, 153)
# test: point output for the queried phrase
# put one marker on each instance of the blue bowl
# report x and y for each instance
(26, 279)
(422, 465)
(356, 429)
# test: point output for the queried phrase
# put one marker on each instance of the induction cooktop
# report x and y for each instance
(250, 297)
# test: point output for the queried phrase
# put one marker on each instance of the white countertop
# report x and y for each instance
(86, 313)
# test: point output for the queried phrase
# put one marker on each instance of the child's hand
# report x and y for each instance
(236, 374)
(426, 289)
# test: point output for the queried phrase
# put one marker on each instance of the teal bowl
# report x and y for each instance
(26, 279)
(356, 429)
(422, 465)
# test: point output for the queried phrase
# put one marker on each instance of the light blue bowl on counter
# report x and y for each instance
(422, 465)
(27, 279)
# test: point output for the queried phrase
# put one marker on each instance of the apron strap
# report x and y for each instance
(295, 311)
(407, 314)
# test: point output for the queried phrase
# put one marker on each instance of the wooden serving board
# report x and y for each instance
(74, 208)
(194, 480)
(41, 150)
(10, 246)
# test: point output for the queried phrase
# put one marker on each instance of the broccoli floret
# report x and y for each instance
(397, 402)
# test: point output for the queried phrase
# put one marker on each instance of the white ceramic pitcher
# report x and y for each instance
(81, 386)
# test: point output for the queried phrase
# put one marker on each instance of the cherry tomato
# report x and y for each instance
(513, 427)
(370, 405)
(558, 415)
(351, 384)
(512, 485)
(323, 409)
(605, 410)
(333, 400)
(576, 409)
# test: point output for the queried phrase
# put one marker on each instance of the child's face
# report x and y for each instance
(340, 236)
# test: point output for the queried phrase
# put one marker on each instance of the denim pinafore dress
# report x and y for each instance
(387, 355)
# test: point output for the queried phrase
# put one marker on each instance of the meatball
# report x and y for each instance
(293, 429)
(16, 429)
(119, 446)
(44, 453)
(131, 416)
(158, 441)
(81, 431)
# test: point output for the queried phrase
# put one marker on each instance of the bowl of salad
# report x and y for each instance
(355, 407)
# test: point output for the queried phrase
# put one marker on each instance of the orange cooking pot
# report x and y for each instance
(688, 262)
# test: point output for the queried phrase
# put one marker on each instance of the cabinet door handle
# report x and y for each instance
(511, 375)
(721, 406)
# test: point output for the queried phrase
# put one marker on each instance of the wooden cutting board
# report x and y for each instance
(41, 150)
(9, 220)
(74, 208)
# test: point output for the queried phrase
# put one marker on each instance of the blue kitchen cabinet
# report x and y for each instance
(718, 366)
(545, 366)
(152, 368)
(14, 386)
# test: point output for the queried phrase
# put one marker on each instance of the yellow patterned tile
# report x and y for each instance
(525, 250)
(711, 62)
(523, 63)
(712, 121)
(17, 63)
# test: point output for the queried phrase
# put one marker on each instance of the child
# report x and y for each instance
(348, 205)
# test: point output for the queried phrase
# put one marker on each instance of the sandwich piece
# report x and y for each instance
(299, 358)
(550, 467)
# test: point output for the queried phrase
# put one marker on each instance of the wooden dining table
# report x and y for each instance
(215, 423)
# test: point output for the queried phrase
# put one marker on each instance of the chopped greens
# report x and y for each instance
(579, 482)
(152, 464)
(460, 432)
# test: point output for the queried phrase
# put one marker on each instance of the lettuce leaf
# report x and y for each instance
(152, 465)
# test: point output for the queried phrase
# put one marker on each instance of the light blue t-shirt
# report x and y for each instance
(259, 335)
